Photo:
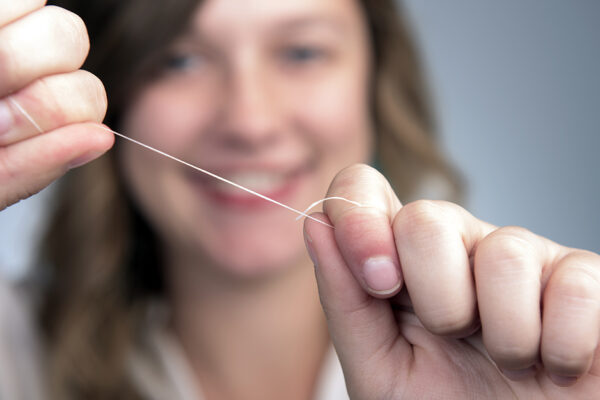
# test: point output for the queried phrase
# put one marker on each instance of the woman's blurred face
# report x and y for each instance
(270, 94)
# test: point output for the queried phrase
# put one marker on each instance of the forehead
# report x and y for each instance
(228, 18)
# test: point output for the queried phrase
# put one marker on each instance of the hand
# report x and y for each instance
(425, 301)
(41, 49)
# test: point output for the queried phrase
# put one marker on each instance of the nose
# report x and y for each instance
(251, 117)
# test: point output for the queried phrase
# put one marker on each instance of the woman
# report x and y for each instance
(165, 283)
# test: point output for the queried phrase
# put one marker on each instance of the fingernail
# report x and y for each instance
(381, 275)
(84, 159)
(561, 380)
(6, 118)
(519, 374)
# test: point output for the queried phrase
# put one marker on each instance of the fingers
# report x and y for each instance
(571, 317)
(517, 276)
(434, 240)
(28, 166)
(40, 91)
(362, 328)
(364, 234)
(53, 102)
(45, 42)
(458, 269)
(508, 270)
(11, 10)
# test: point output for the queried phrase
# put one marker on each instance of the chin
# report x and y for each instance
(244, 245)
(255, 253)
(250, 265)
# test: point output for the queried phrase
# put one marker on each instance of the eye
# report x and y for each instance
(302, 54)
(182, 62)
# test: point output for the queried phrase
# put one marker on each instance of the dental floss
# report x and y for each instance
(301, 214)
(316, 203)
(26, 114)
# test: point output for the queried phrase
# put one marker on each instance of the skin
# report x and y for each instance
(467, 312)
(460, 304)
(252, 86)
(40, 53)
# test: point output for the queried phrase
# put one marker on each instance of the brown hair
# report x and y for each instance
(102, 258)
(407, 151)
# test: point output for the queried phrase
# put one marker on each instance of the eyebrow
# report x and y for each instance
(284, 25)
(306, 22)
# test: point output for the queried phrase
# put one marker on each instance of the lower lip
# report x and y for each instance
(242, 200)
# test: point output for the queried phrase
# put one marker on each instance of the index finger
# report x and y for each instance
(48, 41)
(364, 234)
(11, 10)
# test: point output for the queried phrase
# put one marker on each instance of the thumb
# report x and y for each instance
(363, 328)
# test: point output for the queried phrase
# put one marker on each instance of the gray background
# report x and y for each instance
(517, 93)
(517, 89)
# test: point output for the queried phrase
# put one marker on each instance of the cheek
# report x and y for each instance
(336, 114)
(167, 118)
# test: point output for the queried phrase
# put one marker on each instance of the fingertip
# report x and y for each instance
(366, 241)
(379, 276)
(100, 141)
(99, 137)
(106, 137)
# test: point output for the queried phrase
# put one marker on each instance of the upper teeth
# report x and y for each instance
(258, 181)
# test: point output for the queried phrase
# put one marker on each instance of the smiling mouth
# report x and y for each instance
(258, 181)
(279, 185)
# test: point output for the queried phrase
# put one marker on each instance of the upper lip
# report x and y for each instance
(276, 167)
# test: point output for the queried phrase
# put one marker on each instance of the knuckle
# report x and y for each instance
(422, 219)
(506, 248)
(11, 11)
(581, 266)
(352, 176)
(517, 232)
(577, 284)
(86, 100)
(362, 184)
(358, 169)
(572, 299)
(515, 237)
(348, 174)
(71, 27)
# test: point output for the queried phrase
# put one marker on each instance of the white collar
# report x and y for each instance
(161, 371)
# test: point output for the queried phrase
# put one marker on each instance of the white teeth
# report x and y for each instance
(254, 180)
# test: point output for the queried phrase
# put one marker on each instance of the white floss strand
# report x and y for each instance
(300, 213)
(26, 114)
(262, 196)
(316, 203)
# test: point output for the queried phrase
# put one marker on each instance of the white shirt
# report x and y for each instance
(157, 366)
